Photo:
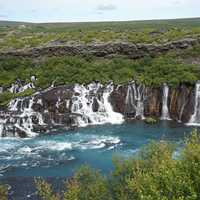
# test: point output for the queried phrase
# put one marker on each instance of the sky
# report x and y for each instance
(96, 10)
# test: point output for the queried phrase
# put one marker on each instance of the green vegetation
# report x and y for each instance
(150, 120)
(170, 69)
(25, 35)
(155, 174)
(173, 68)
(3, 192)
(5, 97)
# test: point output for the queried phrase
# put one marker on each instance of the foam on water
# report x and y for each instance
(53, 145)
(96, 142)
(49, 151)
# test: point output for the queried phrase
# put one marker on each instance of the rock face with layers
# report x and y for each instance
(68, 107)
(131, 50)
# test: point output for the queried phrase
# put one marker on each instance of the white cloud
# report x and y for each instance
(106, 7)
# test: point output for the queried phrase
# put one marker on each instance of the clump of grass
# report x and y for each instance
(150, 120)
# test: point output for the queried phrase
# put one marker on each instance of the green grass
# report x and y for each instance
(173, 68)
(152, 31)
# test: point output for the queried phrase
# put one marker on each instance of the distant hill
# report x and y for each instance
(183, 21)
(12, 23)
(22, 35)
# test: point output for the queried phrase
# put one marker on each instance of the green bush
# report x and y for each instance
(6, 97)
(154, 174)
(3, 192)
(150, 120)
(67, 70)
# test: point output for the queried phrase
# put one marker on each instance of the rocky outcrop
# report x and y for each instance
(110, 49)
(181, 103)
(153, 102)
(68, 107)
(118, 99)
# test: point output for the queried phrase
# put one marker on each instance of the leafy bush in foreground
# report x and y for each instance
(157, 173)
(3, 192)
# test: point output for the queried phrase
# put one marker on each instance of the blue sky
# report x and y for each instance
(96, 10)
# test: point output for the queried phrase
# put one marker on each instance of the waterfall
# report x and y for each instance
(129, 96)
(135, 99)
(23, 107)
(1, 127)
(195, 118)
(165, 110)
(83, 105)
(139, 95)
(112, 117)
(13, 105)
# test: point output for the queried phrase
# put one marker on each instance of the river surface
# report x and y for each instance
(57, 156)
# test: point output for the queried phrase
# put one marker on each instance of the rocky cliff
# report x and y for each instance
(68, 107)
(130, 50)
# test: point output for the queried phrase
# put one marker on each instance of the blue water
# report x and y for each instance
(61, 154)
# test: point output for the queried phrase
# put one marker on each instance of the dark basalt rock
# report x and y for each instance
(153, 102)
(117, 98)
(110, 49)
(181, 103)
(54, 106)
(95, 105)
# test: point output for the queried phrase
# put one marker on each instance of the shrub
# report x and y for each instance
(3, 192)
(154, 174)
(150, 120)
(6, 97)
(66, 70)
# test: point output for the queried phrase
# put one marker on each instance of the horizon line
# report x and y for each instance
(104, 21)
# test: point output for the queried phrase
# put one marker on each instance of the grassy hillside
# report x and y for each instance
(173, 68)
(15, 35)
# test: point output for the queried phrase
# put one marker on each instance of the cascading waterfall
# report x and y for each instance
(129, 97)
(83, 105)
(112, 117)
(195, 118)
(135, 98)
(165, 110)
(2, 122)
(24, 122)
(139, 95)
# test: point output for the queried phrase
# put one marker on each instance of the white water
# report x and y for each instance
(195, 118)
(165, 110)
(135, 98)
(82, 105)
(129, 96)
(17, 88)
(49, 151)
(1, 127)
(24, 123)
(112, 117)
